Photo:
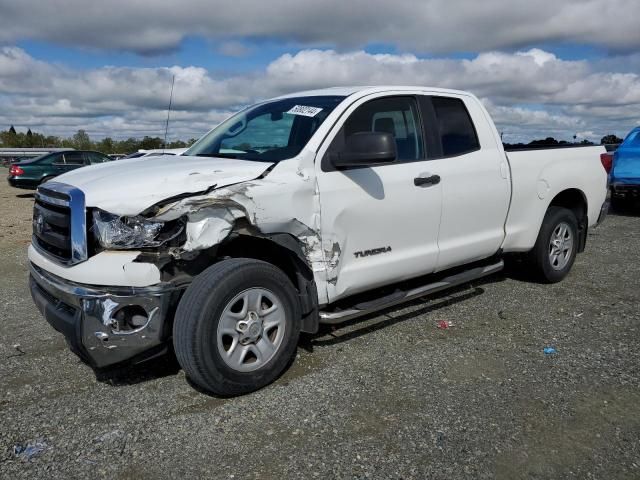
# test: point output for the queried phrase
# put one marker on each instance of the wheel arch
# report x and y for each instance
(575, 200)
(284, 251)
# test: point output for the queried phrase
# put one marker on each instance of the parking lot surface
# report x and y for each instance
(391, 396)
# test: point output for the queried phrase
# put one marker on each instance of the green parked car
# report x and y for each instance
(31, 173)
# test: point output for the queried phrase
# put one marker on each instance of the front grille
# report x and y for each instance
(52, 228)
(59, 223)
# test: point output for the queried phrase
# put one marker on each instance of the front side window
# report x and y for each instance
(457, 133)
(395, 115)
(268, 132)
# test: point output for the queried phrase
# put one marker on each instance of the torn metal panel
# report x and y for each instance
(213, 227)
(108, 308)
(285, 201)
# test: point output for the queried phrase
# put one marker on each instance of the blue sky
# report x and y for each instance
(206, 53)
(560, 68)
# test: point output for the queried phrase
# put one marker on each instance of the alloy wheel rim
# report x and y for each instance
(251, 329)
(560, 246)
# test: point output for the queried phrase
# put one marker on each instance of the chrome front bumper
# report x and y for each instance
(85, 316)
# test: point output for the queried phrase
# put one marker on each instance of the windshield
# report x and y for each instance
(267, 132)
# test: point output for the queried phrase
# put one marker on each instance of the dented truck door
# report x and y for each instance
(385, 218)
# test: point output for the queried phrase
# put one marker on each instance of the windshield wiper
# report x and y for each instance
(220, 155)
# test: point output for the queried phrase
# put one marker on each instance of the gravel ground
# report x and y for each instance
(392, 396)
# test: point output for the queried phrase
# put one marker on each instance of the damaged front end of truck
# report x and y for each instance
(115, 300)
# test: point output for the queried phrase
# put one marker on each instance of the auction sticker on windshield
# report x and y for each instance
(304, 110)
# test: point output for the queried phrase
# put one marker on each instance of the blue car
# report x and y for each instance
(625, 176)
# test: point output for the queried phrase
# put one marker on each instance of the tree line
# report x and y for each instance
(552, 142)
(81, 141)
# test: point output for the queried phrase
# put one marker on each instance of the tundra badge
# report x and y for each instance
(373, 251)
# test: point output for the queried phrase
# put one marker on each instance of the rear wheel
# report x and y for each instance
(555, 249)
(236, 328)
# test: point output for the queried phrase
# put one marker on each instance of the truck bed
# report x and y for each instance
(538, 175)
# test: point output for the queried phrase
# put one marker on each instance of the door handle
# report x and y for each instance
(426, 181)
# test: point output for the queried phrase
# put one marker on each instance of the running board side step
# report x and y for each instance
(402, 297)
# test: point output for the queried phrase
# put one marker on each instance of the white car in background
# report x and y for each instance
(155, 152)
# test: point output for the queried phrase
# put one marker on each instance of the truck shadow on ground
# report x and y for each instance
(26, 195)
(630, 209)
(164, 366)
(167, 365)
(429, 303)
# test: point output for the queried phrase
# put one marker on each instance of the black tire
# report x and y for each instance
(538, 258)
(199, 312)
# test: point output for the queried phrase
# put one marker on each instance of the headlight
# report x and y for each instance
(116, 232)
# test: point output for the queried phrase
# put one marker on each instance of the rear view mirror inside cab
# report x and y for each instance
(237, 127)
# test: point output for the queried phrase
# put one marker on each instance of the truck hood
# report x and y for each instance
(128, 187)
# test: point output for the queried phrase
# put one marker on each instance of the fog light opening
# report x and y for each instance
(130, 317)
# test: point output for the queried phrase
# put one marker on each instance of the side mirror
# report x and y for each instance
(366, 149)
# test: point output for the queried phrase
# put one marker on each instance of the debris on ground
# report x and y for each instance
(18, 349)
(115, 440)
(26, 452)
(549, 351)
(444, 324)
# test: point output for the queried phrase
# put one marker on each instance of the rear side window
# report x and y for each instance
(74, 158)
(457, 133)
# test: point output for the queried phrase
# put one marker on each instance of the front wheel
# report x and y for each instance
(236, 328)
(555, 249)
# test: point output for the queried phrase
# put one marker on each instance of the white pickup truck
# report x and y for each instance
(310, 208)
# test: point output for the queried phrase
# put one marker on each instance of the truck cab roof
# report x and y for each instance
(371, 89)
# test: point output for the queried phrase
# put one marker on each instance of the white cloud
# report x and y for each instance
(435, 26)
(531, 93)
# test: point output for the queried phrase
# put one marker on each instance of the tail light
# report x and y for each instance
(607, 161)
(16, 171)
